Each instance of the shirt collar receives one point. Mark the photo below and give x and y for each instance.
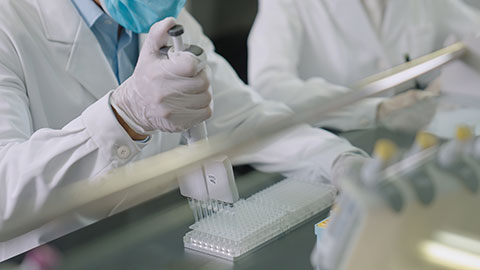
(89, 11)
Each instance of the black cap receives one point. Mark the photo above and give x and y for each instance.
(176, 31)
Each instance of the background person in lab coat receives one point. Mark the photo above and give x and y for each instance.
(63, 63)
(305, 53)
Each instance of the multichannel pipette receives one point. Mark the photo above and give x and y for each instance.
(384, 155)
(476, 149)
(211, 186)
(451, 158)
(419, 179)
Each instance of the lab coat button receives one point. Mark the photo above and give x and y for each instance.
(123, 152)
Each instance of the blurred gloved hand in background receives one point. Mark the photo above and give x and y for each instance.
(409, 111)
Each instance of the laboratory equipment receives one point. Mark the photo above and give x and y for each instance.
(429, 220)
(320, 227)
(476, 149)
(451, 159)
(383, 156)
(418, 178)
(248, 224)
(366, 232)
(211, 185)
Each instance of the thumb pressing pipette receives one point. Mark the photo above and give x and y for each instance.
(210, 186)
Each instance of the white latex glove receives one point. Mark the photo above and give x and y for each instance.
(347, 165)
(435, 87)
(409, 111)
(167, 94)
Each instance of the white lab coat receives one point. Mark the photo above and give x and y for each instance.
(302, 52)
(57, 128)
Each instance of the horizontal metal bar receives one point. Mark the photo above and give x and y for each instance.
(398, 75)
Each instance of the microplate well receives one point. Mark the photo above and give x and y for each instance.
(250, 223)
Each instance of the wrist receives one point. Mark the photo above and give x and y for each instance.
(128, 129)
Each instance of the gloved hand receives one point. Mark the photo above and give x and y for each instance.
(346, 165)
(167, 94)
(409, 111)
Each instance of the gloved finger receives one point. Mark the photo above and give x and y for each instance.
(158, 36)
(413, 118)
(422, 95)
(183, 64)
(406, 99)
(189, 101)
(189, 113)
(188, 118)
(193, 85)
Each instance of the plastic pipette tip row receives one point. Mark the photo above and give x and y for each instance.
(235, 230)
(203, 209)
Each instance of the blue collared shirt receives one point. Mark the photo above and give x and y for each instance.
(121, 50)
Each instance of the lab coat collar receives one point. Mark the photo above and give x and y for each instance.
(63, 24)
(59, 19)
(352, 18)
(87, 61)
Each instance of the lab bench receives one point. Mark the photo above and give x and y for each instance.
(150, 236)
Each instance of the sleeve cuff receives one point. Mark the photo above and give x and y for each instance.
(360, 115)
(106, 132)
(372, 105)
(142, 143)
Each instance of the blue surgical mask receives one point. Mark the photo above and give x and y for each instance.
(140, 15)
